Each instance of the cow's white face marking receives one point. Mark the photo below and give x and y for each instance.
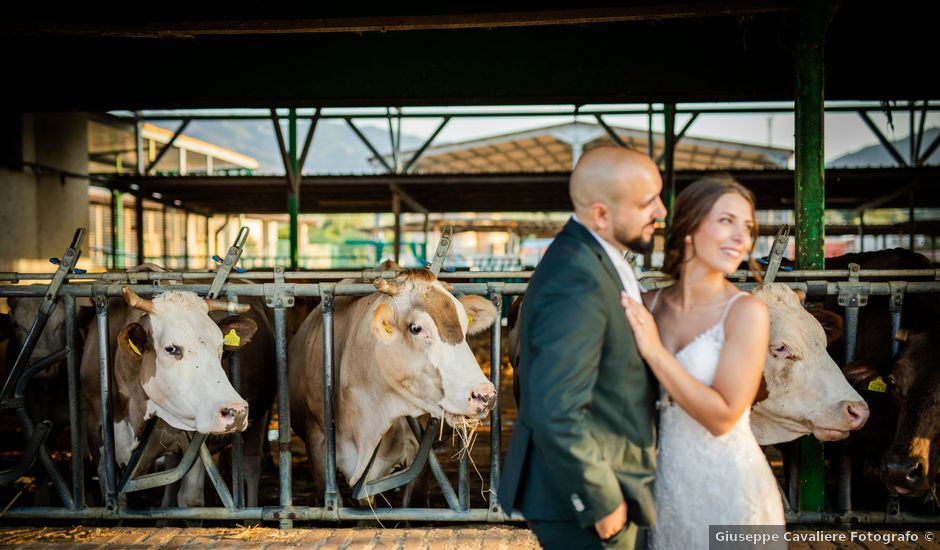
(125, 441)
(807, 392)
(185, 382)
(427, 359)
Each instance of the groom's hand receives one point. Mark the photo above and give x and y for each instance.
(612, 523)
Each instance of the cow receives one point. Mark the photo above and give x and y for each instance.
(400, 351)
(167, 363)
(902, 441)
(803, 390)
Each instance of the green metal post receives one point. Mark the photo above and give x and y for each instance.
(810, 196)
(293, 202)
(117, 235)
(669, 158)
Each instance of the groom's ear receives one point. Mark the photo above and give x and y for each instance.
(600, 215)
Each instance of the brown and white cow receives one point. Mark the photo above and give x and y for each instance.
(401, 351)
(803, 392)
(167, 363)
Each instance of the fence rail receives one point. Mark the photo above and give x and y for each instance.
(277, 284)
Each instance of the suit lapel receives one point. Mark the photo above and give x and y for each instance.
(577, 231)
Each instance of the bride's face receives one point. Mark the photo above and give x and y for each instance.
(723, 239)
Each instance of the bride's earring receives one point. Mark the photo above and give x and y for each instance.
(688, 239)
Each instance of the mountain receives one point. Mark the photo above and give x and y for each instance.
(335, 149)
(876, 155)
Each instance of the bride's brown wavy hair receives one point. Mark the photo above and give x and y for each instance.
(691, 207)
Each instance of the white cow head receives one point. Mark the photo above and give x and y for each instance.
(420, 343)
(805, 390)
(179, 348)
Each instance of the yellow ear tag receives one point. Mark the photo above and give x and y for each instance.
(878, 385)
(469, 319)
(133, 347)
(387, 327)
(232, 339)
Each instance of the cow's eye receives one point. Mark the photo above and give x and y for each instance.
(174, 350)
(414, 329)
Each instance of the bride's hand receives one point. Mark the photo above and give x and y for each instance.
(644, 326)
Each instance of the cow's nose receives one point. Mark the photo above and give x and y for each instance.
(234, 416)
(483, 398)
(908, 471)
(856, 414)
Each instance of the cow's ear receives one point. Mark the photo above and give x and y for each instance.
(480, 313)
(860, 372)
(133, 339)
(237, 331)
(383, 323)
(831, 322)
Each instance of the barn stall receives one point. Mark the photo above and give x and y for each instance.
(740, 62)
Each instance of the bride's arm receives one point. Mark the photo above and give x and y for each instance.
(740, 367)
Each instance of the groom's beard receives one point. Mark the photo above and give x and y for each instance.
(635, 243)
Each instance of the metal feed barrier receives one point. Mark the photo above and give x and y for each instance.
(280, 288)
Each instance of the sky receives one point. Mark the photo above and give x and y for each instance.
(845, 132)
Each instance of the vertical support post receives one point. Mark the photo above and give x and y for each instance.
(139, 205)
(238, 448)
(331, 496)
(427, 223)
(669, 158)
(185, 240)
(208, 248)
(861, 230)
(164, 241)
(283, 404)
(104, 383)
(76, 419)
(810, 196)
(396, 212)
(293, 200)
(117, 228)
(496, 356)
(911, 223)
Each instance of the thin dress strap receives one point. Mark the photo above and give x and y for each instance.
(655, 299)
(728, 305)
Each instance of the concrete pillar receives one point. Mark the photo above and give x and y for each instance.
(40, 209)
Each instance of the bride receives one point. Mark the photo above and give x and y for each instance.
(708, 355)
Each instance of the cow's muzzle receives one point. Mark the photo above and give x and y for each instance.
(906, 475)
(483, 398)
(233, 416)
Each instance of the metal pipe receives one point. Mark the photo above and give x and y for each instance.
(669, 158)
(447, 490)
(76, 418)
(216, 477)
(463, 479)
(420, 151)
(396, 212)
(331, 496)
(169, 145)
(302, 513)
(58, 482)
(889, 147)
(496, 359)
(285, 498)
(104, 378)
(238, 453)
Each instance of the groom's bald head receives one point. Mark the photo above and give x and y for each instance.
(615, 192)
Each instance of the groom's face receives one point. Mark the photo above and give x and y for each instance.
(635, 211)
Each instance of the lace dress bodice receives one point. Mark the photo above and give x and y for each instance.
(704, 479)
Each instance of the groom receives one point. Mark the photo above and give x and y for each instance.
(581, 460)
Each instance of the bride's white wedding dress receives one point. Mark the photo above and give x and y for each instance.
(702, 479)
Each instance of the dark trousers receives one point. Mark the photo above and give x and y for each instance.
(569, 535)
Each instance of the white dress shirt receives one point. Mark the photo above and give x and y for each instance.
(627, 276)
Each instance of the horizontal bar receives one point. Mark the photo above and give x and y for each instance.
(134, 278)
(302, 513)
(496, 113)
(299, 289)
